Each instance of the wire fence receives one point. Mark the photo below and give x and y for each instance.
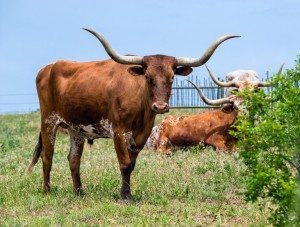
(183, 96)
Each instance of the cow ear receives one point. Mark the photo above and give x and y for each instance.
(136, 70)
(183, 71)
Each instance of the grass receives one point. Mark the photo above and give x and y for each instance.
(193, 187)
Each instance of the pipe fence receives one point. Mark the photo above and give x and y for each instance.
(183, 96)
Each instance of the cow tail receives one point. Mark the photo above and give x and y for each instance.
(37, 153)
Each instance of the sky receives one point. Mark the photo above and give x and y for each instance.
(35, 33)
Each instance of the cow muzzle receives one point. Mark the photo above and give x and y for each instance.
(160, 107)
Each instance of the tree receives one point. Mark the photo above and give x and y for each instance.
(268, 134)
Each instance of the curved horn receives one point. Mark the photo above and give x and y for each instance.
(195, 62)
(216, 102)
(266, 84)
(220, 83)
(132, 60)
(263, 84)
(280, 69)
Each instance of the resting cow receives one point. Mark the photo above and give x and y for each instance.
(116, 99)
(210, 128)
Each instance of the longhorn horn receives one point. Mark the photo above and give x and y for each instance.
(266, 84)
(216, 102)
(220, 83)
(195, 62)
(132, 60)
(263, 84)
(280, 69)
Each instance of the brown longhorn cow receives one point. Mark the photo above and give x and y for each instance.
(116, 98)
(210, 128)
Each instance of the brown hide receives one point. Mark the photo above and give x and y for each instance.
(209, 128)
(102, 99)
(85, 93)
(106, 99)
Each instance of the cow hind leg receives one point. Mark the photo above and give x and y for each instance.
(48, 134)
(74, 157)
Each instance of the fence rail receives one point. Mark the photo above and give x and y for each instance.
(186, 96)
(183, 96)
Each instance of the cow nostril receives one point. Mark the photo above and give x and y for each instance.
(154, 106)
(160, 107)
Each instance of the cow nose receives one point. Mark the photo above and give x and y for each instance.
(160, 107)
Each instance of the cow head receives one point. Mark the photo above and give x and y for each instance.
(159, 70)
(238, 80)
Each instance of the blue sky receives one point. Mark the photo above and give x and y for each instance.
(35, 33)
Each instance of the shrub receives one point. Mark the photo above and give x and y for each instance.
(268, 136)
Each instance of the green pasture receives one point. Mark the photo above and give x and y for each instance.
(193, 187)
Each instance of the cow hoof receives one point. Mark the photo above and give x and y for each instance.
(46, 189)
(124, 201)
(79, 192)
(126, 196)
(168, 154)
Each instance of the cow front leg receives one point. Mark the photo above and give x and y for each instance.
(126, 160)
(74, 157)
(164, 146)
(131, 144)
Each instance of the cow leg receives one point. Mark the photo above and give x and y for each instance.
(164, 146)
(219, 141)
(126, 162)
(74, 157)
(126, 171)
(131, 144)
(48, 133)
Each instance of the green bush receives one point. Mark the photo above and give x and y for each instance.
(269, 140)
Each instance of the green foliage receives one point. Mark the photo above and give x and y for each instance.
(269, 139)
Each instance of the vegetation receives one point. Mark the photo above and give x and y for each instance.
(193, 187)
(269, 140)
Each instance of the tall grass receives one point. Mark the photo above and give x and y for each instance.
(193, 187)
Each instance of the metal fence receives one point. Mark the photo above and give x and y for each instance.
(184, 95)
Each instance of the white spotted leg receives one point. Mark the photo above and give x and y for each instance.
(74, 157)
(48, 134)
